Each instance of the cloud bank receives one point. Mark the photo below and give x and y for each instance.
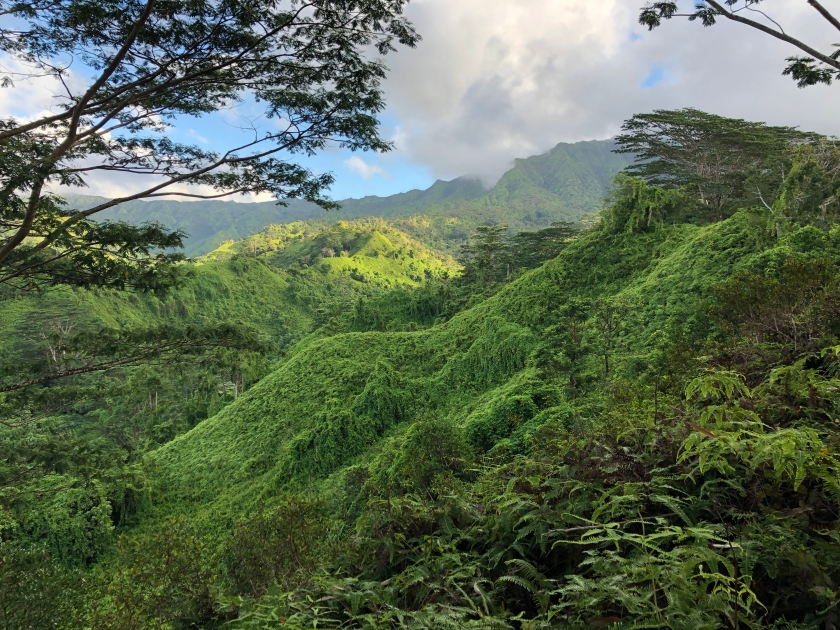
(493, 81)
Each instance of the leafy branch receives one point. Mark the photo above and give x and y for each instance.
(816, 68)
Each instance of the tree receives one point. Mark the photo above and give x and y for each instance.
(87, 352)
(610, 321)
(811, 191)
(634, 206)
(567, 347)
(279, 546)
(486, 258)
(531, 249)
(160, 579)
(31, 578)
(310, 64)
(815, 68)
(710, 155)
(794, 308)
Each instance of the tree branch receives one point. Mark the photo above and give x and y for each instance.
(128, 361)
(35, 195)
(196, 196)
(47, 240)
(824, 12)
(782, 36)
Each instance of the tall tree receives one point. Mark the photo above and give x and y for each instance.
(315, 67)
(711, 155)
(610, 321)
(816, 67)
(486, 258)
(531, 249)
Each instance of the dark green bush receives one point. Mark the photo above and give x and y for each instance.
(38, 593)
(277, 547)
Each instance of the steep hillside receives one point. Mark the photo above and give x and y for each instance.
(296, 282)
(639, 432)
(365, 249)
(279, 302)
(125, 411)
(655, 409)
(566, 183)
(325, 405)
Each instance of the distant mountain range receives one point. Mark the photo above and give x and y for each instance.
(566, 183)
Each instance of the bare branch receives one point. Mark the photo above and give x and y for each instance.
(142, 356)
(196, 196)
(782, 36)
(761, 197)
(824, 12)
(779, 26)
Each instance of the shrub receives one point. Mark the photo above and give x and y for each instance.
(275, 547)
(36, 592)
(157, 580)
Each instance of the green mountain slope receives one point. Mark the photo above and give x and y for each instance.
(283, 293)
(640, 432)
(566, 183)
(334, 398)
(363, 249)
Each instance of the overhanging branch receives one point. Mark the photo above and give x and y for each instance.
(777, 34)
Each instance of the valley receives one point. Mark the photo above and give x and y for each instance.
(583, 397)
(333, 315)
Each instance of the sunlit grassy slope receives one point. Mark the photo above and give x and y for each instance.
(365, 249)
(284, 294)
(334, 399)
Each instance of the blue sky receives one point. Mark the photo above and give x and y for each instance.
(357, 174)
(656, 76)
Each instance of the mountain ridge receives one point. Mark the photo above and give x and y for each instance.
(564, 184)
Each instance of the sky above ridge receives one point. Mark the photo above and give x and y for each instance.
(497, 80)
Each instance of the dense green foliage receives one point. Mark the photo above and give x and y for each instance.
(117, 374)
(147, 64)
(355, 248)
(641, 431)
(657, 450)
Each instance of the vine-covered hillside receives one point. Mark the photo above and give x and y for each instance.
(335, 398)
(640, 432)
(260, 303)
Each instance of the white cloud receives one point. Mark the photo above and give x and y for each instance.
(493, 81)
(30, 98)
(367, 171)
(110, 185)
(197, 136)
